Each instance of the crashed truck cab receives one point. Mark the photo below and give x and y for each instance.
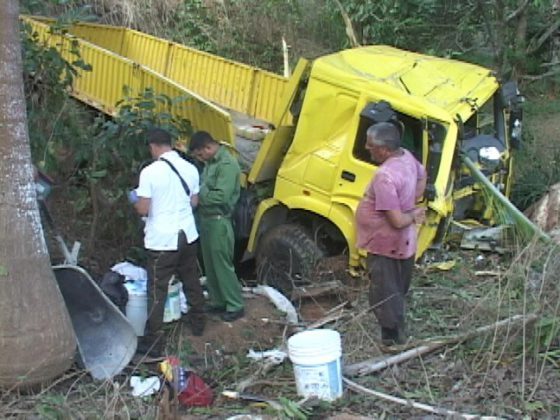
(445, 108)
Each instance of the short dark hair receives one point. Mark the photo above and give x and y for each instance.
(158, 136)
(200, 139)
(385, 134)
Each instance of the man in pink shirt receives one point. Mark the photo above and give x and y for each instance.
(386, 225)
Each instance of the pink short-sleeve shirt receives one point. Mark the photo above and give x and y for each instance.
(394, 187)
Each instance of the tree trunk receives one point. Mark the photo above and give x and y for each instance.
(37, 342)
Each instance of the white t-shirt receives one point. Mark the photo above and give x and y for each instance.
(170, 208)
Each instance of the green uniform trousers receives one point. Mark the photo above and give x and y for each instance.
(217, 243)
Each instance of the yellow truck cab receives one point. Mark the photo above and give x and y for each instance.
(303, 181)
(446, 107)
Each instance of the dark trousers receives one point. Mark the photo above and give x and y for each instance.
(389, 282)
(161, 266)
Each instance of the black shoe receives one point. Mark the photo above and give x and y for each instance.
(196, 323)
(232, 316)
(389, 336)
(214, 309)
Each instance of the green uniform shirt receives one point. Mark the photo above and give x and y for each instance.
(220, 185)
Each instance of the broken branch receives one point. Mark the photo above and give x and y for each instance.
(374, 365)
(425, 407)
(518, 11)
(535, 44)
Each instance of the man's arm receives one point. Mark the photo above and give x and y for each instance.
(194, 200)
(220, 192)
(142, 206)
(400, 220)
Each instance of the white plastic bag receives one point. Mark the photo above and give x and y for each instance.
(172, 310)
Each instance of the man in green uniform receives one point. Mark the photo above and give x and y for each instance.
(218, 195)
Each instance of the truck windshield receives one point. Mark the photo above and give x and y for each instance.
(488, 120)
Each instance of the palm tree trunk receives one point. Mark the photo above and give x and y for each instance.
(37, 342)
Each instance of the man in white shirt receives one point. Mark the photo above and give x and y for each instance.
(166, 194)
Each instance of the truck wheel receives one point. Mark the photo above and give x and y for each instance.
(286, 257)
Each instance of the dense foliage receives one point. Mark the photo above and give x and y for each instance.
(93, 159)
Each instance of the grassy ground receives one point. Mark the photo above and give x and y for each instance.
(508, 372)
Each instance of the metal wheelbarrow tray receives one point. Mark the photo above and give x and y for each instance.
(106, 340)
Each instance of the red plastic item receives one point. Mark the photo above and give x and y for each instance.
(196, 393)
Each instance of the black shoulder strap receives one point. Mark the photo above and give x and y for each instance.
(183, 183)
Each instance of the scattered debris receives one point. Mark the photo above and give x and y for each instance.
(279, 300)
(250, 397)
(488, 273)
(191, 390)
(486, 239)
(144, 387)
(442, 266)
(316, 290)
(275, 356)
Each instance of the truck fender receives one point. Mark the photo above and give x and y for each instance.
(270, 213)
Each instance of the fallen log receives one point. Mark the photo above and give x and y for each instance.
(374, 365)
(421, 406)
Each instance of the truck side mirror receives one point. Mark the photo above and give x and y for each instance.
(512, 99)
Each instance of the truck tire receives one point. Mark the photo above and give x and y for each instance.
(286, 256)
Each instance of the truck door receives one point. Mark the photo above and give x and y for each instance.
(356, 169)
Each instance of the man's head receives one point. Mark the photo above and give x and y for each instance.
(203, 146)
(383, 140)
(159, 141)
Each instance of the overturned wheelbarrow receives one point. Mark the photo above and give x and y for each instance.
(106, 340)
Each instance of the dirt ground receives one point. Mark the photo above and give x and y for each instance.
(509, 373)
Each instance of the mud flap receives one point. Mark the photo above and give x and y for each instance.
(106, 340)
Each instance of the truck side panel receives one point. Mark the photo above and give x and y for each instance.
(230, 84)
(103, 87)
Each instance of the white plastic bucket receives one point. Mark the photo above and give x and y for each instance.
(315, 355)
(137, 311)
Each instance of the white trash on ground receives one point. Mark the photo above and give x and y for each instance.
(274, 356)
(143, 387)
(281, 302)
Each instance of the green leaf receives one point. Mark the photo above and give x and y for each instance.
(98, 174)
(3, 271)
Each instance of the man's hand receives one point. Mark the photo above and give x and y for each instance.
(132, 197)
(419, 215)
(400, 220)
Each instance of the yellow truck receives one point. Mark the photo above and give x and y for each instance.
(305, 176)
